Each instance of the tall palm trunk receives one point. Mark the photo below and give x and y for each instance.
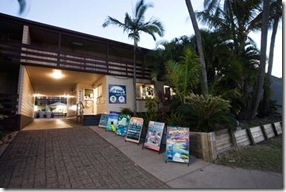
(134, 79)
(204, 80)
(260, 81)
(267, 83)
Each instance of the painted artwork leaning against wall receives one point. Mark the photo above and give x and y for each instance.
(177, 144)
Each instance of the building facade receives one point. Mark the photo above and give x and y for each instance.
(40, 62)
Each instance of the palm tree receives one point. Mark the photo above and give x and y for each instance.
(133, 26)
(233, 21)
(275, 17)
(260, 80)
(204, 80)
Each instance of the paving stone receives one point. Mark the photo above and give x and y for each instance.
(69, 158)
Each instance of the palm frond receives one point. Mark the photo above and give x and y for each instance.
(22, 4)
(128, 22)
(140, 10)
(112, 21)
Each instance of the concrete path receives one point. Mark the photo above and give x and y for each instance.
(199, 174)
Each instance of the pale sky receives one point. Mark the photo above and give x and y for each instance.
(87, 16)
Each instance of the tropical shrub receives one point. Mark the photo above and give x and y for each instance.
(183, 76)
(209, 113)
(174, 119)
(126, 111)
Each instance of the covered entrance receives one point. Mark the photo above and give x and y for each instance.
(49, 95)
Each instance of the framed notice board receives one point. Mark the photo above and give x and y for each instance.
(154, 135)
(134, 129)
(178, 144)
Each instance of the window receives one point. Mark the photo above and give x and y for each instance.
(168, 91)
(145, 91)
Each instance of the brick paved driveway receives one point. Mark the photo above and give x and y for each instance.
(69, 158)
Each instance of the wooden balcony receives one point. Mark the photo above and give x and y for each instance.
(62, 59)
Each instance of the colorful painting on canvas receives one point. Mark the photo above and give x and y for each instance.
(122, 124)
(134, 129)
(154, 135)
(177, 144)
(112, 121)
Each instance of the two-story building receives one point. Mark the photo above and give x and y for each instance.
(42, 63)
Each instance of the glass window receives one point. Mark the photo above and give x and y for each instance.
(168, 91)
(145, 91)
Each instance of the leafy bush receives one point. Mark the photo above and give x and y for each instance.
(183, 76)
(126, 111)
(273, 108)
(208, 113)
(152, 112)
(174, 119)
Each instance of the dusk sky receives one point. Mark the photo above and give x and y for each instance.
(87, 16)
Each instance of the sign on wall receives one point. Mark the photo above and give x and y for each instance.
(134, 129)
(79, 96)
(112, 121)
(103, 120)
(117, 94)
(154, 135)
(177, 144)
(122, 124)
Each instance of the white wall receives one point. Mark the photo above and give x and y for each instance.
(101, 102)
(25, 91)
(70, 102)
(129, 92)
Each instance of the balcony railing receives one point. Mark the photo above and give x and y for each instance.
(47, 57)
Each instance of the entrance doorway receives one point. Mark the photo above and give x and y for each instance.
(55, 93)
(50, 107)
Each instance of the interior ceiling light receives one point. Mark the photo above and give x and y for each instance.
(57, 74)
(38, 95)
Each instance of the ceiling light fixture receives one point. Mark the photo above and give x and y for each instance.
(38, 95)
(57, 74)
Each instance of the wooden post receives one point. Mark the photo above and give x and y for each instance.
(264, 133)
(212, 146)
(274, 129)
(233, 138)
(250, 136)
